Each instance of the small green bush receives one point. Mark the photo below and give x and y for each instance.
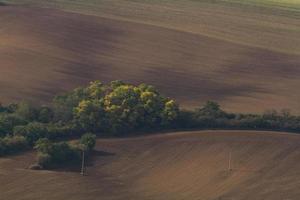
(10, 145)
(51, 154)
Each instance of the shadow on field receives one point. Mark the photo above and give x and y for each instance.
(97, 153)
(90, 162)
(95, 156)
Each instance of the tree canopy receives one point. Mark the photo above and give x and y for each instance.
(120, 107)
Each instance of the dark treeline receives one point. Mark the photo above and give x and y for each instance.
(211, 116)
(119, 109)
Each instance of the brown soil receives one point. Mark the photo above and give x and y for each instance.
(46, 51)
(185, 165)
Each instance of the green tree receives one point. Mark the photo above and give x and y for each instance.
(63, 105)
(45, 114)
(170, 112)
(123, 108)
(88, 141)
(26, 111)
(90, 115)
(96, 90)
(116, 108)
(211, 109)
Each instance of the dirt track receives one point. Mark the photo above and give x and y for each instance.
(46, 51)
(186, 165)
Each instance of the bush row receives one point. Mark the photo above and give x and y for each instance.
(36, 130)
(212, 116)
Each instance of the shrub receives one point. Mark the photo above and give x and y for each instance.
(9, 145)
(35, 131)
(8, 122)
(60, 131)
(51, 155)
(212, 116)
(2, 108)
(186, 119)
(32, 131)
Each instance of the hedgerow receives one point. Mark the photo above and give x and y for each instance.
(119, 109)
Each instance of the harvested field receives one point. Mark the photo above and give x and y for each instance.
(185, 165)
(243, 54)
(45, 51)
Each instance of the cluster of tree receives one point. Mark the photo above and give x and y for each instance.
(21, 125)
(54, 154)
(118, 109)
(21, 114)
